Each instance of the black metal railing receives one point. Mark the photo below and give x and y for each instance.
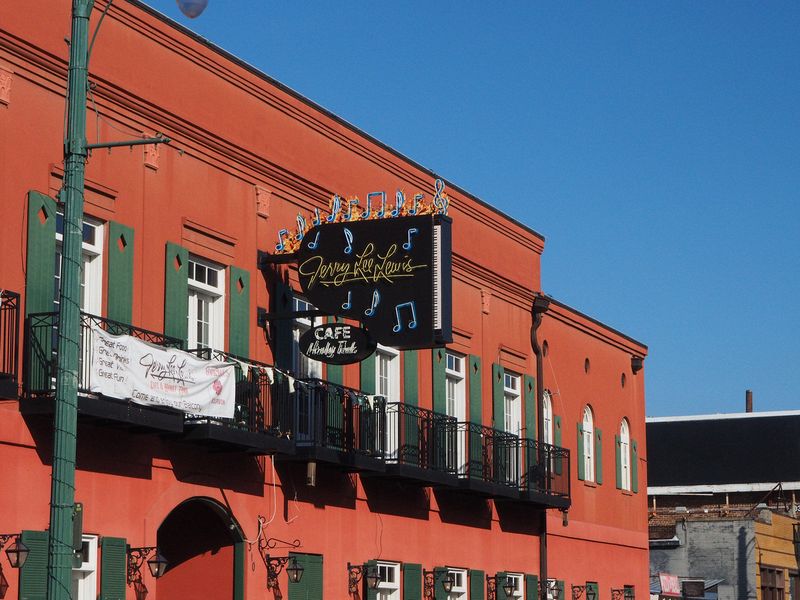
(42, 357)
(9, 334)
(420, 437)
(263, 399)
(337, 417)
(545, 468)
(487, 454)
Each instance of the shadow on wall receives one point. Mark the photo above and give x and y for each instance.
(393, 498)
(462, 509)
(232, 471)
(333, 486)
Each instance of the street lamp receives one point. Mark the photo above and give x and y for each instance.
(192, 8)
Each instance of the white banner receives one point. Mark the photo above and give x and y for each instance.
(128, 368)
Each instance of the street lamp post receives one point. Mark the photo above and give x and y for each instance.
(65, 429)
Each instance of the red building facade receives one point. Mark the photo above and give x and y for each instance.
(455, 473)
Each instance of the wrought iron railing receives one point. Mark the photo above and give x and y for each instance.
(9, 334)
(41, 351)
(487, 454)
(263, 399)
(340, 418)
(545, 468)
(420, 437)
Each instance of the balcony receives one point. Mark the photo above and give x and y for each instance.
(40, 375)
(338, 425)
(9, 343)
(488, 461)
(263, 415)
(420, 445)
(544, 477)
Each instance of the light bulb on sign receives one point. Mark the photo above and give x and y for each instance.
(192, 8)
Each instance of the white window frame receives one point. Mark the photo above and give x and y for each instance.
(519, 584)
(387, 386)
(388, 590)
(91, 267)
(302, 366)
(455, 386)
(460, 589)
(547, 418)
(588, 444)
(552, 591)
(512, 403)
(215, 296)
(625, 454)
(456, 402)
(84, 577)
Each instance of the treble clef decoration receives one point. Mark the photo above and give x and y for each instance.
(440, 199)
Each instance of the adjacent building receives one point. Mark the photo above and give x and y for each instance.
(723, 501)
(513, 459)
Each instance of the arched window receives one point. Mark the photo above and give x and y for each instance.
(588, 444)
(625, 455)
(547, 417)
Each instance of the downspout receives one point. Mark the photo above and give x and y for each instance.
(540, 305)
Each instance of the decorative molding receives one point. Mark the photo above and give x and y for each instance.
(152, 153)
(263, 197)
(486, 300)
(6, 78)
(210, 243)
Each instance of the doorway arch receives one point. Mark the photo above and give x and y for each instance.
(204, 548)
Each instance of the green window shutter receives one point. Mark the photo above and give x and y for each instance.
(239, 558)
(475, 390)
(369, 594)
(477, 585)
(439, 360)
(411, 377)
(33, 574)
(500, 579)
(631, 591)
(334, 373)
(41, 254)
(531, 587)
(581, 463)
(498, 400)
(561, 585)
(120, 272)
(557, 467)
(368, 375)
(634, 467)
(310, 585)
(176, 292)
(598, 456)
(530, 407)
(239, 312)
(281, 302)
(113, 568)
(412, 581)
(618, 461)
(438, 586)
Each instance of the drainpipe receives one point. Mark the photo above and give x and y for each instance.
(540, 305)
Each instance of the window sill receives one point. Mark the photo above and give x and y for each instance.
(591, 484)
(627, 493)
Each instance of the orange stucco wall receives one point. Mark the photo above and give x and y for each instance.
(240, 139)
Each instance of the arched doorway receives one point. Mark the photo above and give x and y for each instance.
(205, 551)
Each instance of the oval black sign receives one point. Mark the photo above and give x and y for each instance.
(337, 343)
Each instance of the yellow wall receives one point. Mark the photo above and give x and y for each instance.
(775, 548)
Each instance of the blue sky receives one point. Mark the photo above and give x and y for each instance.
(656, 146)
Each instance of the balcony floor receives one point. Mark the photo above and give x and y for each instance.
(112, 411)
(223, 436)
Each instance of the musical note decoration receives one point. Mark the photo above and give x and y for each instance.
(412, 323)
(411, 231)
(348, 304)
(313, 244)
(348, 238)
(439, 205)
(376, 299)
